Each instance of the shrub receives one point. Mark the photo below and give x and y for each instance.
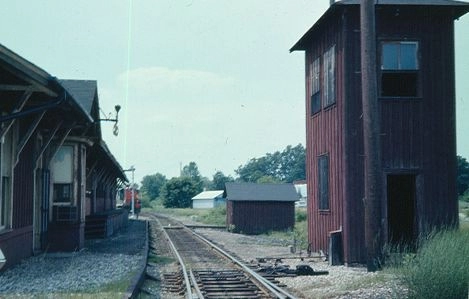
(145, 202)
(465, 197)
(301, 235)
(440, 269)
(300, 215)
(215, 216)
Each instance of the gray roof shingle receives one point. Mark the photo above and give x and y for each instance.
(260, 192)
(83, 91)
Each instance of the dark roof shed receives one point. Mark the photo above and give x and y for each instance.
(260, 192)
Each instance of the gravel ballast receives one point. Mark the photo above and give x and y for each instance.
(102, 262)
(341, 282)
(105, 264)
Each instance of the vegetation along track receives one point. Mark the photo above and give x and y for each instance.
(202, 270)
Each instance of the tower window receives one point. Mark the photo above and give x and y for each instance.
(315, 87)
(399, 69)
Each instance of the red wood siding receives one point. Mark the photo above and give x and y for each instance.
(353, 179)
(23, 188)
(325, 136)
(254, 217)
(18, 243)
(420, 133)
(417, 134)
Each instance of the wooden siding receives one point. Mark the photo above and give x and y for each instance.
(325, 137)
(66, 236)
(23, 188)
(255, 217)
(353, 179)
(417, 134)
(17, 245)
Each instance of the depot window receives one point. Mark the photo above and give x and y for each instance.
(62, 170)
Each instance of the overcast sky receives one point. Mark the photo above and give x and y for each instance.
(206, 81)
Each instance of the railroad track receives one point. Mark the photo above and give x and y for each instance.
(206, 271)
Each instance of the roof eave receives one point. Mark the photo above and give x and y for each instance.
(459, 9)
(33, 74)
(300, 45)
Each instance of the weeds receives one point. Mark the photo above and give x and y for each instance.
(215, 216)
(439, 269)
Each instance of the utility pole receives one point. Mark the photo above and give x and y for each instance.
(371, 136)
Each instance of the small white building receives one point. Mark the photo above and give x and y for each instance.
(208, 199)
(302, 190)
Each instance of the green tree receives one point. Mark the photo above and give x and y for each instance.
(293, 163)
(463, 175)
(219, 180)
(267, 179)
(253, 170)
(286, 166)
(192, 171)
(152, 184)
(178, 192)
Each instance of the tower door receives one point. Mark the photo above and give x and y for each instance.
(401, 209)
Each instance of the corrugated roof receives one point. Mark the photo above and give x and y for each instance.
(459, 9)
(260, 192)
(83, 91)
(208, 194)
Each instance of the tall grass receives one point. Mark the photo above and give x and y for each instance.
(439, 269)
(215, 216)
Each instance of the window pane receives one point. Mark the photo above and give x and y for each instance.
(409, 56)
(62, 165)
(399, 84)
(315, 86)
(329, 77)
(390, 56)
(315, 103)
(323, 182)
(63, 193)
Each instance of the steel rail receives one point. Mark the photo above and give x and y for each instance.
(196, 287)
(274, 289)
(279, 292)
(181, 262)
